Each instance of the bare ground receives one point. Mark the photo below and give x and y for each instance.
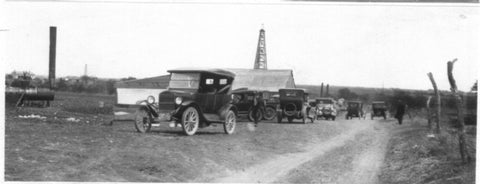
(276, 168)
(341, 151)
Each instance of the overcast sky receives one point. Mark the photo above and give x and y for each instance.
(353, 44)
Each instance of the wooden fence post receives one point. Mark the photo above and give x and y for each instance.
(437, 97)
(429, 113)
(460, 112)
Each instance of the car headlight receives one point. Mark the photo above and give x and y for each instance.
(150, 100)
(178, 100)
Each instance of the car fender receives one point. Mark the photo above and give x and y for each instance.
(186, 104)
(222, 112)
(149, 109)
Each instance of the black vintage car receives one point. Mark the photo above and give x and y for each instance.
(195, 98)
(293, 105)
(325, 108)
(243, 99)
(379, 108)
(354, 109)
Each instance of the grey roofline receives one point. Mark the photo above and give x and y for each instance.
(215, 71)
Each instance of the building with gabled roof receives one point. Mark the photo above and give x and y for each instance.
(263, 80)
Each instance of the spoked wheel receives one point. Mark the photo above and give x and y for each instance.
(190, 121)
(143, 121)
(230, 122)
(259, 115)
(270, 113)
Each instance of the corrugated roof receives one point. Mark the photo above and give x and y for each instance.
(160, 82)
(216, 71)
(268, 80)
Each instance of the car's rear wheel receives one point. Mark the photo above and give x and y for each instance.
(333, 118)
(259, 115)
(230, 123)
(190, 121)
(270, 113)
(143, 120)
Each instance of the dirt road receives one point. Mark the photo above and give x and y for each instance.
(363, 168)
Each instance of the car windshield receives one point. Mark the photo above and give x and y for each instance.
(185, 80)
(293, 93)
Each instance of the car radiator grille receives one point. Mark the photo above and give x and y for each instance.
(166, 101)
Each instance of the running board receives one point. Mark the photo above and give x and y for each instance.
(213, 118)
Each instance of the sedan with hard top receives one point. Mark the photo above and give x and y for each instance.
(194, 99)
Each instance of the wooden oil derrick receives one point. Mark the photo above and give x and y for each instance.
(261, 56)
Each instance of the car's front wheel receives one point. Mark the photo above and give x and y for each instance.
(230, 123)
(190, 121)
(251, 116)
(143, 120)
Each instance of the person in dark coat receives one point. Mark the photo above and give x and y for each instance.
(401, 108)
(257, 106)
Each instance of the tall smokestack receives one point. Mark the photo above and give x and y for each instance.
(321, 90)
(328, 86)
(51, 56)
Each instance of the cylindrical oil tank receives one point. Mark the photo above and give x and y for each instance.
(32, 94)
(39, 94)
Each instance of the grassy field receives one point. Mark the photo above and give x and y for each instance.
(414, 157)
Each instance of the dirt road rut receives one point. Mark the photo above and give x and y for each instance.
(365, 165)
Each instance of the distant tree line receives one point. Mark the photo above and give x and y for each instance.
(413, 98)
(83, 84)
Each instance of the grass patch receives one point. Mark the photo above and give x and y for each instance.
(413, 157)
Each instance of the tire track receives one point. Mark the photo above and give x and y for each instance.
(279, 166)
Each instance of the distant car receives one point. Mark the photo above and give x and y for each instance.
(354, 109)
(325, 108)
(293, 105)
(244, 102)
(379, 108)
(195, 98)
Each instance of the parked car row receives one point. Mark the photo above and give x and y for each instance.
(197, 98)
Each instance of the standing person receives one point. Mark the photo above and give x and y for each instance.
(401, 108)
(258, 105)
